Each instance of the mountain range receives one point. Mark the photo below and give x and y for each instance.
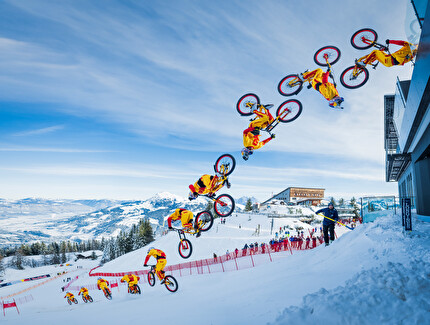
(35, 219)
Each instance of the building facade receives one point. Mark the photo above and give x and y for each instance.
(298, 195)
(407, 128)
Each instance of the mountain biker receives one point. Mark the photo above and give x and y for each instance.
(207, 184)
(319, 81)
(102, 284)
(160, 256)
(131, 279)
(69, 296)
(84, 292)
(405, 54)
(186, 218)
(251, 141)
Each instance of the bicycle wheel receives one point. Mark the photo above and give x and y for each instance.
(290, 85)
(75, 301)
(206, 218)
(247, 103)
(171, 283)
(289, 110)
(84, 299)
(69, 301)
(151, 279)
(108, 294)
(225, 164)
(137, 289)
(185, 248)
(332, 53)
(90, 299)
(224, 205)
(352, 78)
(363, 38)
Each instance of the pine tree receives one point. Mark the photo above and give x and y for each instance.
(333, 201)
(341, 202)
(210, 208)
(248, 206)
(93, 255)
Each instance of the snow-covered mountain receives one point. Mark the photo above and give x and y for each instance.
(244, 199)
(37, 219)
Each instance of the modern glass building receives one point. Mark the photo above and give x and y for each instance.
(407, 122)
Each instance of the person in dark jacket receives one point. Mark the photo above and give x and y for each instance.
(328, 225)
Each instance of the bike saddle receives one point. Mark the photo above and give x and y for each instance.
(268, 106)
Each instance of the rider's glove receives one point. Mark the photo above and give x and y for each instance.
(145, 264)
(272, 136)
(387, 41)
(170, 228)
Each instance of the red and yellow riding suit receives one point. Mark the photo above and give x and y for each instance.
(103, 284)
(400, 57)
(251, 138)
(84, 292)
(184, 215)
(206, 184)
(131, 279)
(320, 83)
(69, 295)
(160, 256)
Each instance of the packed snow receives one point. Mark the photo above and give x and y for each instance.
(375, 274)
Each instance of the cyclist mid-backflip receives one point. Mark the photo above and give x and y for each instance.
(186, 218)
(405, 54)
(207, 185)
(251, 135)
(160, 256)
(319, 81)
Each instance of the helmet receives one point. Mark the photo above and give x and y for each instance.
(336, 101)
(191, 196)
(331, 204)
(150, 248)
(99, 278)
(246, 152)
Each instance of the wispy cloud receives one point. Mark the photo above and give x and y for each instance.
(40, 131)
(59, 150)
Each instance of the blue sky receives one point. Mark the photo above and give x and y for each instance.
(123, 99)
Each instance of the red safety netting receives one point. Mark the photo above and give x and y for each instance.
(237, 260)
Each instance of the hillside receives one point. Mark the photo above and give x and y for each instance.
(346, 283)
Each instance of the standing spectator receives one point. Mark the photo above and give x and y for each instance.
(227, 253)
(308, 240)
(263, 248)
(236, 251)
(244, 249)
(314, 242)
(328, 225)
(215, 257)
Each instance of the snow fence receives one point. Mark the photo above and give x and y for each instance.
(234, 261)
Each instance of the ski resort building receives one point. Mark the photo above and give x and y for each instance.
(407, 126)
(299, 195)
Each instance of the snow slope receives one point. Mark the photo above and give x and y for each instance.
(374, 274)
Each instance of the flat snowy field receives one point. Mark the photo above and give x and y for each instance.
(375, 274)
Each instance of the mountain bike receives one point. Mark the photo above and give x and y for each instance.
(357, 75)
(135, 289)
(107, 293)
(72, 300)
(287, 112)
(204, 221)
(87, 298)
(292, 84)
(169, 281)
